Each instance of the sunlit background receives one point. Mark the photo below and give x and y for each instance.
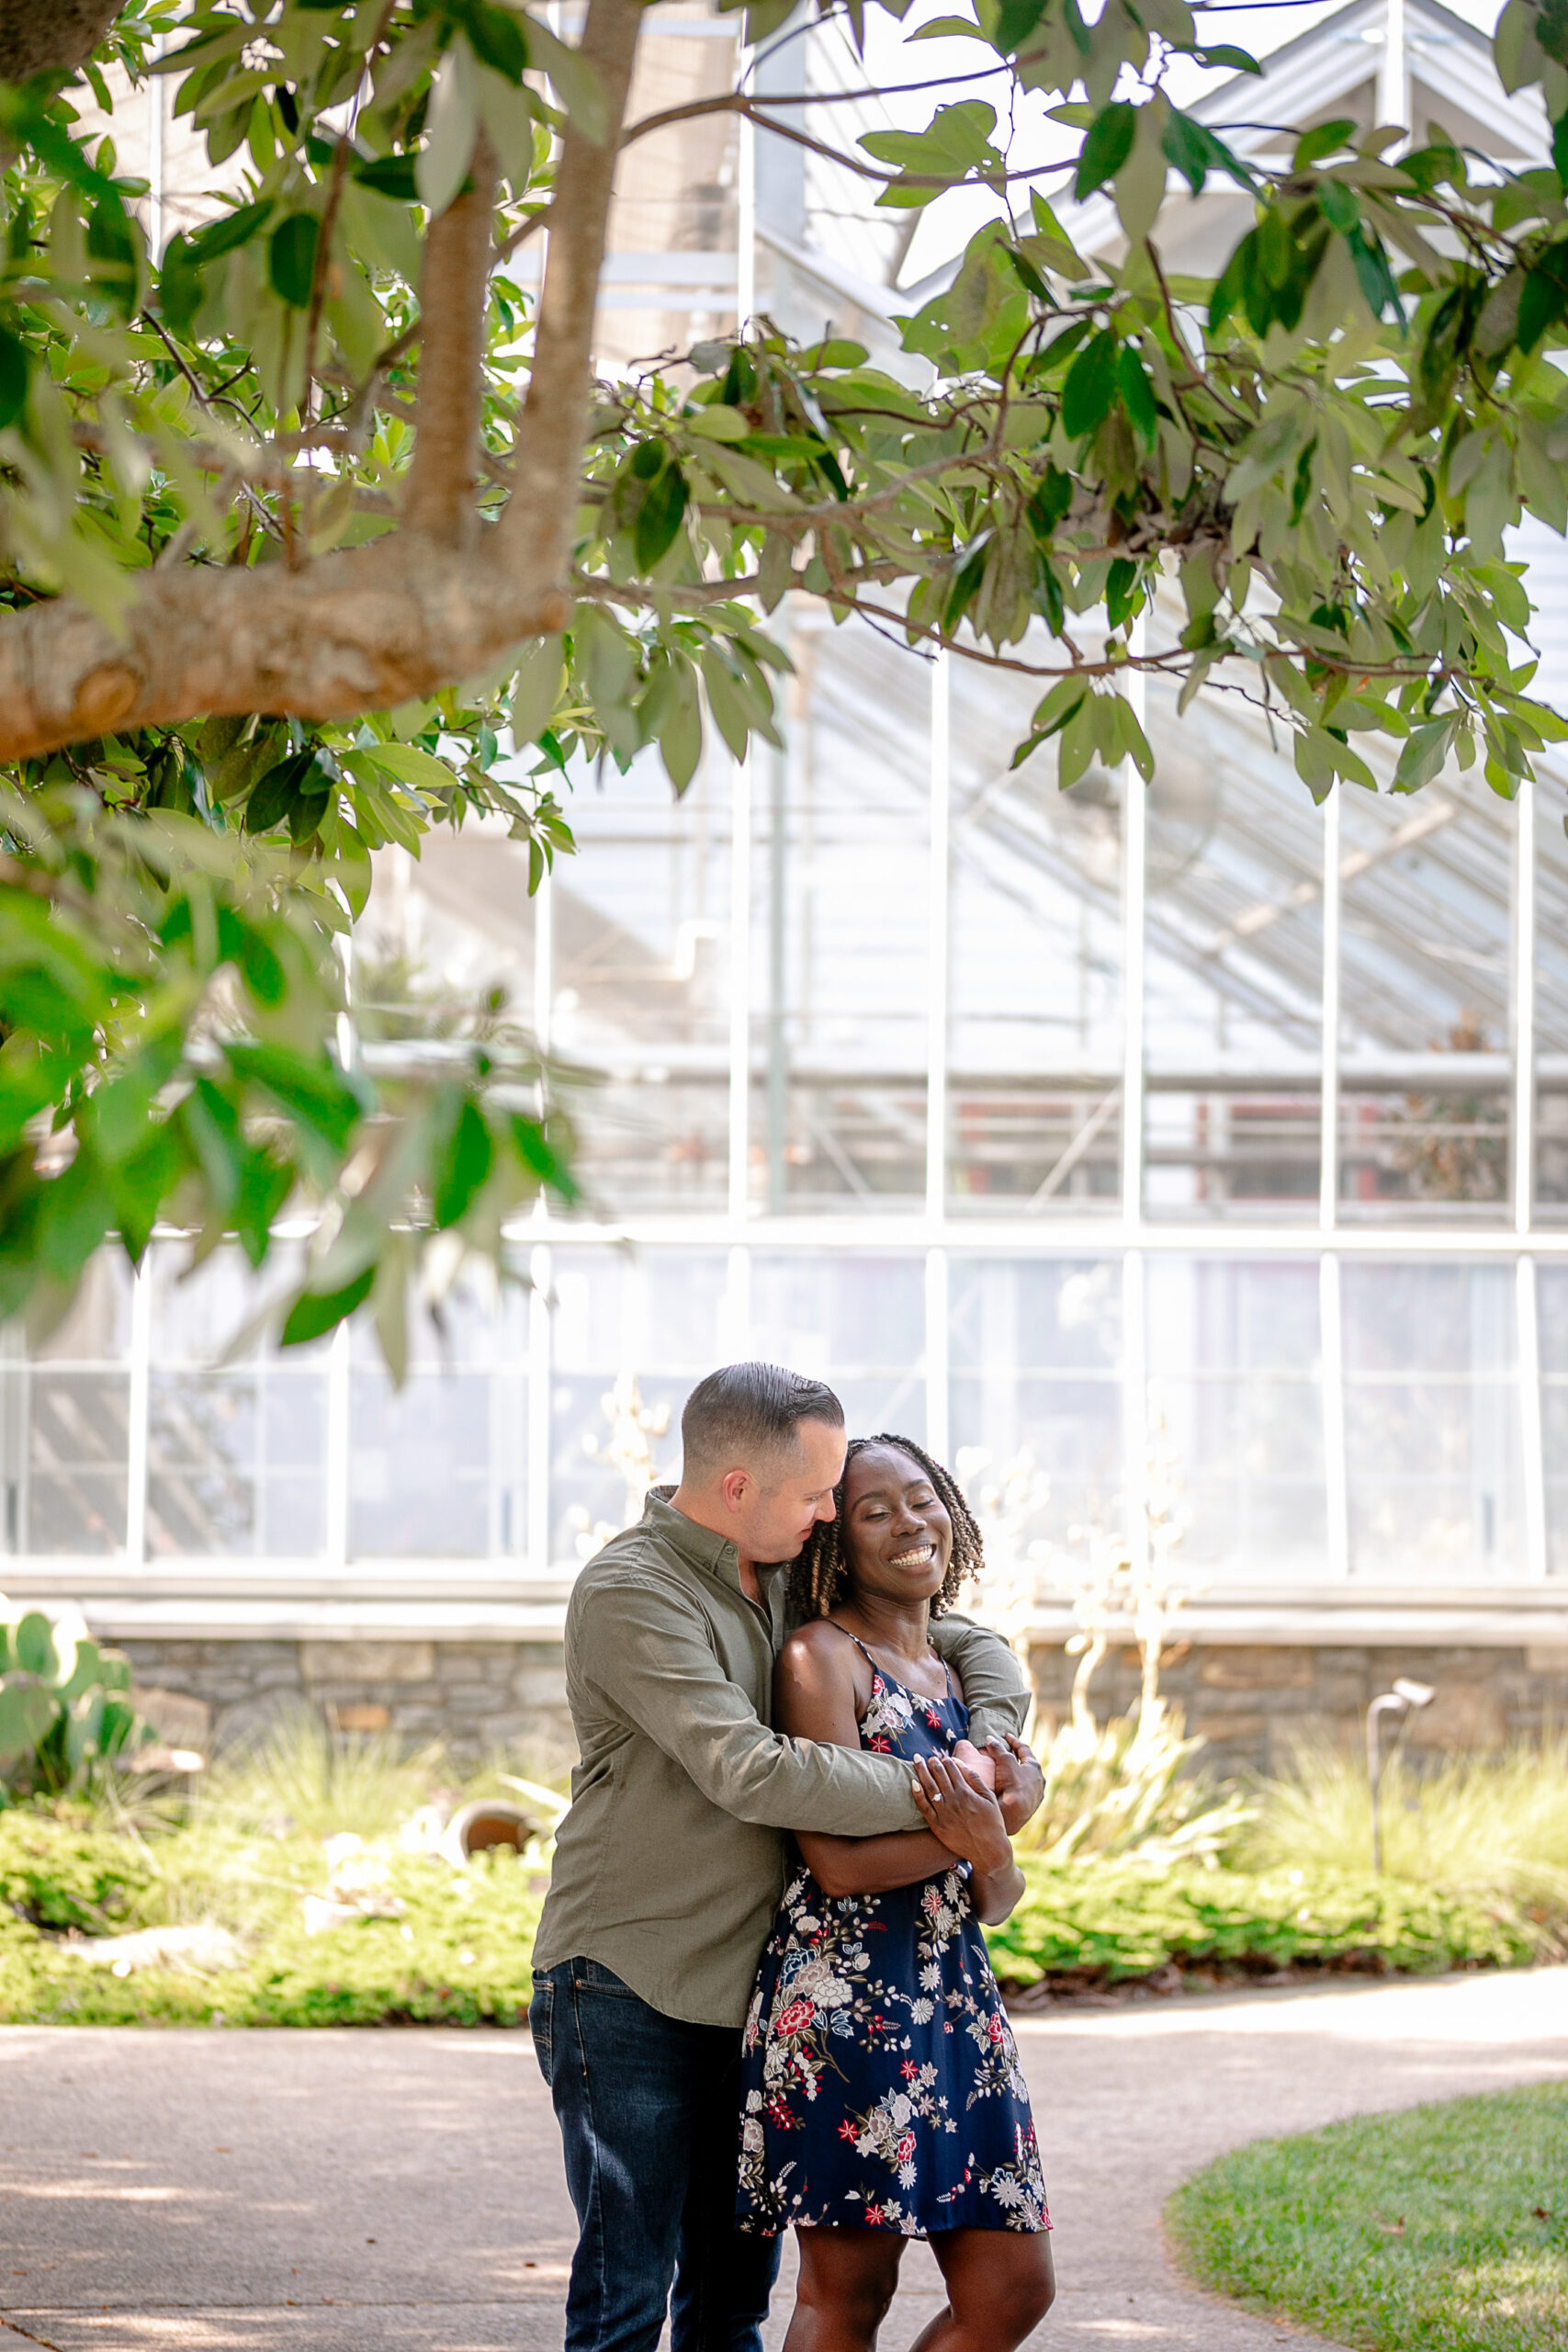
(1075, 1129)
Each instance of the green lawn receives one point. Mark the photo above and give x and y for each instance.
(1442, 2230)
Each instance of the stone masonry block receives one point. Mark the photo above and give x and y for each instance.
(179, 1719)
(1229, 1731)
(1256, 1670)
(367, 1661)
(1463, 1716)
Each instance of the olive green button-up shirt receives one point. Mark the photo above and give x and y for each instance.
(670, 1865)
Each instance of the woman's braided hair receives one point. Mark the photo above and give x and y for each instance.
(819, 1579)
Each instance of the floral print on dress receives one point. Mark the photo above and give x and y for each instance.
(882, 2084)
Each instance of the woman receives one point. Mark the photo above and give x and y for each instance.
(883, 2098)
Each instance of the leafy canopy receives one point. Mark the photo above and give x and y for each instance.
(315, 532)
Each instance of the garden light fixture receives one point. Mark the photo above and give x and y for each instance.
(1405, 1697)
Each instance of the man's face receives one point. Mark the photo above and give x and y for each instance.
(774, 1514)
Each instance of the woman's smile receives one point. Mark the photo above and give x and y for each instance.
(918, 1555)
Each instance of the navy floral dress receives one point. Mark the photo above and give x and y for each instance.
(881, 2088)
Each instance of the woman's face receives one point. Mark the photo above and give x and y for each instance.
(897, 1538)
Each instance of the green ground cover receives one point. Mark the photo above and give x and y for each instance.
(1442, 2230)
(425, 1942)
(296, 1884)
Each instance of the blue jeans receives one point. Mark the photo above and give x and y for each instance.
(649, 2109)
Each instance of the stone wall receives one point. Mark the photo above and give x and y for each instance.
(1251, 1704)
(1254, 1704)
(476, 1697)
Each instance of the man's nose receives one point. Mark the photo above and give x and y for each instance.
(825, 1509)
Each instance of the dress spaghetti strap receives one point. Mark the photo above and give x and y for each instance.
(947, 1670)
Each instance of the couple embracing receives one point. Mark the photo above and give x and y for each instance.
(762, 1996)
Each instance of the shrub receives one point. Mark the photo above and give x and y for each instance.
(1114, 1920)
(65, 1706)
(1493, 1829)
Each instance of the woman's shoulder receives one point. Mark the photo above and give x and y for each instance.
(821, 1651)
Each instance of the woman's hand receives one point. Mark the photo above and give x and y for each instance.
(964, 1816)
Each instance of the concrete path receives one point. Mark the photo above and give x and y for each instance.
(400, 2191)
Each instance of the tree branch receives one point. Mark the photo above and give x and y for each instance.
(454, 294)
(39, 36)
(361, 630)
(535, 530)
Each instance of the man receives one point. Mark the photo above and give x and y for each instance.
(670, 1865)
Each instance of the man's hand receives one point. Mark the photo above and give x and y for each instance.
(979, 1765)
(1020, 1784)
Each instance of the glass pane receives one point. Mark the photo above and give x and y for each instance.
(669, 276)
(64, 1424)
(1036, 1346)
(438, 1468)
(858, 1323)
(1034, 1020)
(1552, 1309)
(1236, 1377)
(1551, 1007)
(840, 929)
(236, 1452)
(439, 933)
(1431, 1414)
(1232, 1004)
(1425, 1066)
(641, 932)
(631, 1335)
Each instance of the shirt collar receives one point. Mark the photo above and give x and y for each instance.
(699, 1546)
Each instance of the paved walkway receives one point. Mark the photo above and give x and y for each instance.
(400, 2192)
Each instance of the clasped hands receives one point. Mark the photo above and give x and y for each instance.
(974, 1800)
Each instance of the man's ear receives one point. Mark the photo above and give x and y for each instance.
(735, 1485)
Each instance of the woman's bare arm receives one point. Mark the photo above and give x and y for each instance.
(967, 1819)
(815, 1697)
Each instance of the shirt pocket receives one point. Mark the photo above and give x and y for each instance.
(541, 2025)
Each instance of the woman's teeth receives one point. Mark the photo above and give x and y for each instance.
(915, 1559)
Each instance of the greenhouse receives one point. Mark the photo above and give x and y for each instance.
(1193, 1133)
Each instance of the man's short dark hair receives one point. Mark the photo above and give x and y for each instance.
(748, 1410)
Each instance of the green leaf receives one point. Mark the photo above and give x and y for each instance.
(1106, 147)
(390, 176)
(495, 37)
(291, 258)
(577, 85)
(312, 1089)
(1090, 386)
(276, 791)
(1322, 138)
(451, 127)
(1120, 590)
(408, 764)
(536, 689)
(659, 517)
(1016, 19)
(465, 1165)
(1422, 755)
(1049, 503)
(679, 723)
(228, 231)
(1137, 391)
(538, 1155)
(1224, 56)
(13, 376)
(315, 1312)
